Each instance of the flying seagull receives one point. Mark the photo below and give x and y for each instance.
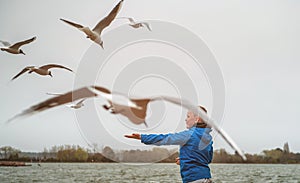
(15, 48)
(135, 24)
(133, 109)
(137, 114)
(95, 34)
(43, 70)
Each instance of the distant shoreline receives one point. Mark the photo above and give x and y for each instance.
(74, 154)
(13, 163)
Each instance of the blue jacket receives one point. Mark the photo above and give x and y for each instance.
(196, 150)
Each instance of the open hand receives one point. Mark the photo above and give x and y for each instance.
(134, 136)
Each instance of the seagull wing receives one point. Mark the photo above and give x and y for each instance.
(22, 71)
(86, 30)
(68, 97)
(5, 43)
(136, 116)
(78, 26)
(46, 67)
(120, 104)
(19, 44)
(108, 19)
(139, 113)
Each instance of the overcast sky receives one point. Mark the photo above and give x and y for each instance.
(255, 44)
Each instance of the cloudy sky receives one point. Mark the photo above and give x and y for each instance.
(255, 45)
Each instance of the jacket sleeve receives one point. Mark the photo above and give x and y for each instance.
(167, 139)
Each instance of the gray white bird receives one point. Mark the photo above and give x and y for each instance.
(95, 34)
(133, 109)
(135, 24)
(137, 115)
(43, 70)
(15, 48)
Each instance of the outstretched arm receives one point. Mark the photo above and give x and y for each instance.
(163, 139)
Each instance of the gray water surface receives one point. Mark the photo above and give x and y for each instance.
(163, 172)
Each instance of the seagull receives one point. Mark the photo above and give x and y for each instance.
(43, 70)
(135, 24)
(15, 48)
(95, 34)
(134, 109)
(137, 115)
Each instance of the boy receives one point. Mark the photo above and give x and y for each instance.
(196, 149)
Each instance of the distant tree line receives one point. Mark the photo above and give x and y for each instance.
(267, 156)
(74, 153)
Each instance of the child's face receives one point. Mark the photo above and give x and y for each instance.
(190, 120)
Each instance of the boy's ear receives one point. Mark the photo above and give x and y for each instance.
(198, 119)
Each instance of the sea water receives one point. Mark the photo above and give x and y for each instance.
(152, 173)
